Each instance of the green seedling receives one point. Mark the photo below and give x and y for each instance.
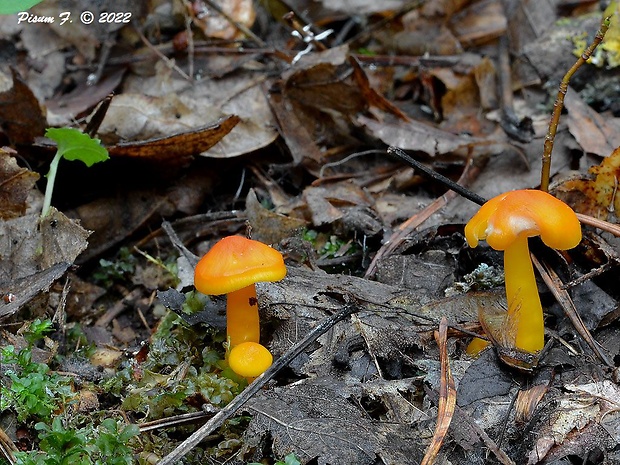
(72, 144)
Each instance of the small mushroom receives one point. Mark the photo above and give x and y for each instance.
(249, 359)
(506, 222)
(232, 267)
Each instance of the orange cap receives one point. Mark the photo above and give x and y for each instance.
(524, 213)
(236, 262)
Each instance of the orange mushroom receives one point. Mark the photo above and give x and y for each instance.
(249, 359)
(232, 267)
(506, 222)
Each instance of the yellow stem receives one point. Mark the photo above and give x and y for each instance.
(242, 322)
(525, 315)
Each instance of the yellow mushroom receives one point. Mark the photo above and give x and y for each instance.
(232, 267)
(506, 222)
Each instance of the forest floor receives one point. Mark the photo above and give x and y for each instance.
(273, 119)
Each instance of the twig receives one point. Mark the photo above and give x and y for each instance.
(416, 220)
(228, 411)
(559, 103)
(447, 396)
(611, 228)
(553, 282)
(453, 186)
(7, 447)
(174, 421)
(170, 63)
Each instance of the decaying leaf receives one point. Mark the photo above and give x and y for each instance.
(16, 184)
(320, 419)
(594, 133)
(316, 420)
(177, 146)
(583, 420)
(416, 135)
(21, 116)
(63, 239)
(268, 226)
(597, 195)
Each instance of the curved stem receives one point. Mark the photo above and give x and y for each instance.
(242, 321)
(49, 188)
(524, 308)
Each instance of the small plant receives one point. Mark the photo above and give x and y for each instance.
(72, 144)
(37, 331)
(117, 270)
(33, 392)
(62, 444)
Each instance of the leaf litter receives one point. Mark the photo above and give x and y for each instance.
(284, 128)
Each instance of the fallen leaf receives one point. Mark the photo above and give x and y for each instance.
(178, 146)
(21, 116)
(213, 24)
(594, 133)
(597, 194)
(63, 239)
(314, 420)
(16, 184)
(415, 135)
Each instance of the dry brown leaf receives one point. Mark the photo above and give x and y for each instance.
(527, 402)
(21, 116)
(415, 135)
(63, 239)
(16, 184)
(178, 146)
(582, 420)
(164, 104)
(479, 22)
(594, 133)
(268, 226)
(597, 195)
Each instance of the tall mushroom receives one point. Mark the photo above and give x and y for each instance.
(506, 222)
(232, 267)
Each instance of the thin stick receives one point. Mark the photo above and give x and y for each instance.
(554, 283)
(228, 411)
(559, 104)
(469, 195)
(416, 220)
(447, 396)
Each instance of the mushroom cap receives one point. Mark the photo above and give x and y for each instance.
(526, 213)
(236, 262)
(249, 359)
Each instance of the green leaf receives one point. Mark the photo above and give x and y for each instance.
(8, 7)
(73, 144)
